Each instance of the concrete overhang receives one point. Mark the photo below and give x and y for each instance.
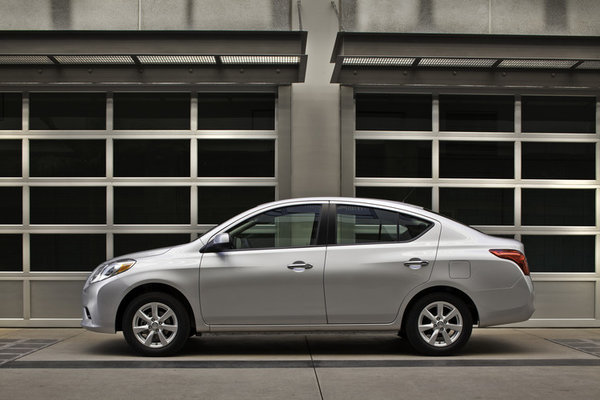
(410, 59)
(151, 57)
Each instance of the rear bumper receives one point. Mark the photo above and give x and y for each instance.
(504, 306)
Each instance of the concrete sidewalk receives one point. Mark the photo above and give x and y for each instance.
(497, 363)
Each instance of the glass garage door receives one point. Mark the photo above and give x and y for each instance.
(87, 176)
(519, 166)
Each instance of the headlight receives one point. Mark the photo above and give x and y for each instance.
(111, 269)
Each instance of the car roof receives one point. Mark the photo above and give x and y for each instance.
(337, 199)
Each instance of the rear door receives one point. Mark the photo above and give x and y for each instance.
(376, 257)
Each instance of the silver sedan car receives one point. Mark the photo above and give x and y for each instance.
(316, 264)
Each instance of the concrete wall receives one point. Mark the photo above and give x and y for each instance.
(315, 108)
(145, 14)
(560, 17)
(530, 17)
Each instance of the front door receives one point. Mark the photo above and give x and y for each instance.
(272, 275)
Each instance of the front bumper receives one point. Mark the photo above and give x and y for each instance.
(100, 304)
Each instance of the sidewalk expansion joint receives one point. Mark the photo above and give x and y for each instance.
(13, 349)
(588, 346)
(313, 364)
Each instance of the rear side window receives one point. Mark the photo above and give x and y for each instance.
(357, 224)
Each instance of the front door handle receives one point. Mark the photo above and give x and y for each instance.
(416, 263)
(299, 266)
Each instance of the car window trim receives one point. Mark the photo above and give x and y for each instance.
(322, 229)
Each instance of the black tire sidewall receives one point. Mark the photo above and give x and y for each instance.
(412, 330)
(183, 323)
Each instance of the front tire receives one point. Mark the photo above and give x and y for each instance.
(439, 324)
(156, 324)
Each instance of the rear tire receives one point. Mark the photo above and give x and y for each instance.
(156, 324)
(439, 324)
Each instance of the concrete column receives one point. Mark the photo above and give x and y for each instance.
(315, 135)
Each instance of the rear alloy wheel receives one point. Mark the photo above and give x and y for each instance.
(439, 324)
(156, 324)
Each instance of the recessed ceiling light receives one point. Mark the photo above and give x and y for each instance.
(379, 61)
(589, 65)
(94, 59)
(25, 60)
(260, 59)
(457, 62)
(177, 59)
(549, 64)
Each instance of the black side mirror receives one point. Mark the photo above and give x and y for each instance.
(219, 243)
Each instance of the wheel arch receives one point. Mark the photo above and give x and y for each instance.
(440, 289)
(154, 287)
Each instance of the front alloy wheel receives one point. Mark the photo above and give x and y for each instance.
(439, 324)
(156, 324)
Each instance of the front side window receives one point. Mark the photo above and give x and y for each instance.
(294, 226)
(356, 224)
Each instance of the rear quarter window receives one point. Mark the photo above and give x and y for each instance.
(359, 224)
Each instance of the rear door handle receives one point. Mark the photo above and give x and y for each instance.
(416, 263)
(299, 266)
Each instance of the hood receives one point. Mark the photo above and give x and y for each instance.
(144, 254)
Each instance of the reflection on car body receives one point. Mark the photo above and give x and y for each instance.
(316, 264)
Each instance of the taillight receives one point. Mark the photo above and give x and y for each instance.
(515, 256)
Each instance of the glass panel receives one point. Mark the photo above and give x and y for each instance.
(476, 159)
(393, 158)
(478, 206)
(219, 203)
(559, 114)
(571, 207)
(67, 158)
(152, 205)
(558, 160)
(393, 112)
(477, 113)
(355, 224)
(67, 111)
(11, 247)
(244, 111)
(152, 158)
(10, 158)
(420, 196)
(11, 200)
(295, 226)
(11, 106)
(68, 205)
(560, 253)
(236, 158)
(131, 243)
(58, 252)
(156, 111)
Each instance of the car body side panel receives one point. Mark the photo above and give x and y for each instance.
(257, 287)
(497, 287)
(177, 268)
(366, 283)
